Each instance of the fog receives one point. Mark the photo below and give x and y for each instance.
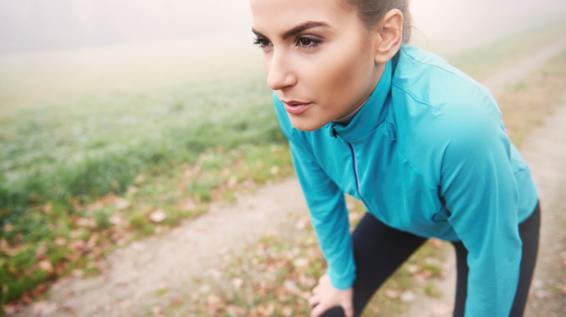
(28, 25)
(55, 24)
(452, 25)
(55, 49)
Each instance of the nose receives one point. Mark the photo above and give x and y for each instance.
(279, 74)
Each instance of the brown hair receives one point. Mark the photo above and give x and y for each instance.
(371, 11)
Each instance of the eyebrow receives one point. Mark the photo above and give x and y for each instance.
(297, 29)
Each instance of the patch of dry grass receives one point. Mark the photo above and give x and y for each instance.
(527, 102)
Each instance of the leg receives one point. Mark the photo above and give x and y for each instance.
(529, 232)
(461, 278)
(378, 251)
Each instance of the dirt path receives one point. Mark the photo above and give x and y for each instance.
(547, 154)
(132, 276)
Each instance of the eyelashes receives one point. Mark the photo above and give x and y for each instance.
(261, 42)
(303, 42)
(308, 42)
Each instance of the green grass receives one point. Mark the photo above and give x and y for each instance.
(84, 155)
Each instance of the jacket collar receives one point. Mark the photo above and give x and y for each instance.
(371, 114)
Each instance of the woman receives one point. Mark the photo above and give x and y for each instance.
(421, 144)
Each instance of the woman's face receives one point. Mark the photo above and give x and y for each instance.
(318, 54)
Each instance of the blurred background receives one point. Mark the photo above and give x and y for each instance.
(109, 46)
(121, 120)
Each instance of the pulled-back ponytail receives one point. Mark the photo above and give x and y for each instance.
(371, 11)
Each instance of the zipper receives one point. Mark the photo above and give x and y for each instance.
(354, 165)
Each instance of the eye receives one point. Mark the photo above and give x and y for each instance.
(308, 42)
(261, 42)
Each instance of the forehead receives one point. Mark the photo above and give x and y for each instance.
(274, 16)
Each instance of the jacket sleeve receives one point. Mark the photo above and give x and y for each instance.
(327, 207)
(480, 192)
(329, 216)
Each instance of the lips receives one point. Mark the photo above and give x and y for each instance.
(296, 107)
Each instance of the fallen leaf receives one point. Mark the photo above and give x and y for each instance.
(79, 245)
(60, 241)
(11, 251)
(41, 252)
(541, 294)
(408, 296)
(301, 262)
(158, 216)
(287, 311)
(237, 283)
(391, 293)
(10, 309)
(45, 265)
(274, 170)
(92, 241)
(441, 309)
(266, 310)
(235, 311)
(302, 223)
(116, 220)
(232, 182)
(47, 208)
(86, 222)
(213, 302)
(307, 281)
(156, 310)
(412, 268)
(8, 227)
(121, 203)
(291, 287)
(4, 245)
(132, 190)
(44, 308)
(139, 179)
(205, 288)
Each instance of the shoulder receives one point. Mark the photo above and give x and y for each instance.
(432, 97)
(435, 105)
(427, 82)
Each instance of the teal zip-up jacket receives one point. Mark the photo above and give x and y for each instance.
(428, 154)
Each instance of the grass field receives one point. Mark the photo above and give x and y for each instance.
(85, 171)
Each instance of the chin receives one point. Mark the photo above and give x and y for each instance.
(306, 124)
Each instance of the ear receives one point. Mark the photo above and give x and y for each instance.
(390, 36)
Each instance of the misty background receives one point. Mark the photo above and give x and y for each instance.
(31, 25)
(99, 46)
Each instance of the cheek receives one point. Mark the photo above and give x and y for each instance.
(341, 74)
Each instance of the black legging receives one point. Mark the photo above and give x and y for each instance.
(379, 250)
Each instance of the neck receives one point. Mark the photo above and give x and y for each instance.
(345, 119)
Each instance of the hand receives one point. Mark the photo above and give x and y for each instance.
(326, 296)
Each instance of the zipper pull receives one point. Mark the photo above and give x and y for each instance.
(334, 133)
